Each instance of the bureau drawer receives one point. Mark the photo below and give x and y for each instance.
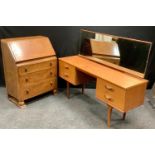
(39, 88)
(110, 94)
(32, 78)
(30, 68)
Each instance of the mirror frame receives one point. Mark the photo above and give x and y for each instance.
(117, 67)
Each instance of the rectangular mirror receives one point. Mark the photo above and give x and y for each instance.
(122, 53)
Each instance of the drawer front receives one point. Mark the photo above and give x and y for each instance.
(30, 68)
(110, 94)
(68, 72)
(32, 78)
(72, 75)
(39, 88)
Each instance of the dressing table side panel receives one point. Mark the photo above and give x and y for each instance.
(135, 96)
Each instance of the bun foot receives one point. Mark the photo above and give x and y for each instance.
(20, 104)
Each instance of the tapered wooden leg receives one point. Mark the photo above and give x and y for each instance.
(109, 115)
(68, 89)
(124, 115)
(83, 86)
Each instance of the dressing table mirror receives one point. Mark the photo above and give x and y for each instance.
(124, 54)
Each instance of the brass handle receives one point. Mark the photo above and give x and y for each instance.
(109, 88)
(25, 69)
(108, 97)
(27, 92)
(50, 63)
(26, 80)
(66, 67)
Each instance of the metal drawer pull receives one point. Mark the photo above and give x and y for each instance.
(108, 97)
(109, 88)
(66, 67)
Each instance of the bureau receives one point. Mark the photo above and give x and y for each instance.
(30, 67)
(117, 89)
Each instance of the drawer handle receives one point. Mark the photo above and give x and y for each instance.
(66, 67)
(51, 73)
(26, 80)
(108, 97)
(66, 75)
(25, 69)
(51, 64)
(27, 92)
(109, 88)
(51, 83)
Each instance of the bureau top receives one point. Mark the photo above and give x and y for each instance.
(27, 48)
(116, 77)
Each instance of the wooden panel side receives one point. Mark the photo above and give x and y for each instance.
(135, 96)
(10, 72)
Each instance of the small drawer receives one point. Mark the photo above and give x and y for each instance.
(67, 72)
(31, 78)
(71, 74)
(34, 67)
(110, 94)
(39, 88)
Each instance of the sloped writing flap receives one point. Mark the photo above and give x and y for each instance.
(28, 48)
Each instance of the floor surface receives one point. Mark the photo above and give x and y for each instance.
(78, 112)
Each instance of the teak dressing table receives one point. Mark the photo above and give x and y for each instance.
(30, 67)
(116, 88)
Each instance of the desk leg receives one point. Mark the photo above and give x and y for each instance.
(83, 86)
(124, 115)
(68, 89)
(109, 115)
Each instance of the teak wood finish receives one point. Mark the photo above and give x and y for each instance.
(30, 67)
(117, 89)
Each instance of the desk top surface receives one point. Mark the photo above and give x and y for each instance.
(98, 70)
